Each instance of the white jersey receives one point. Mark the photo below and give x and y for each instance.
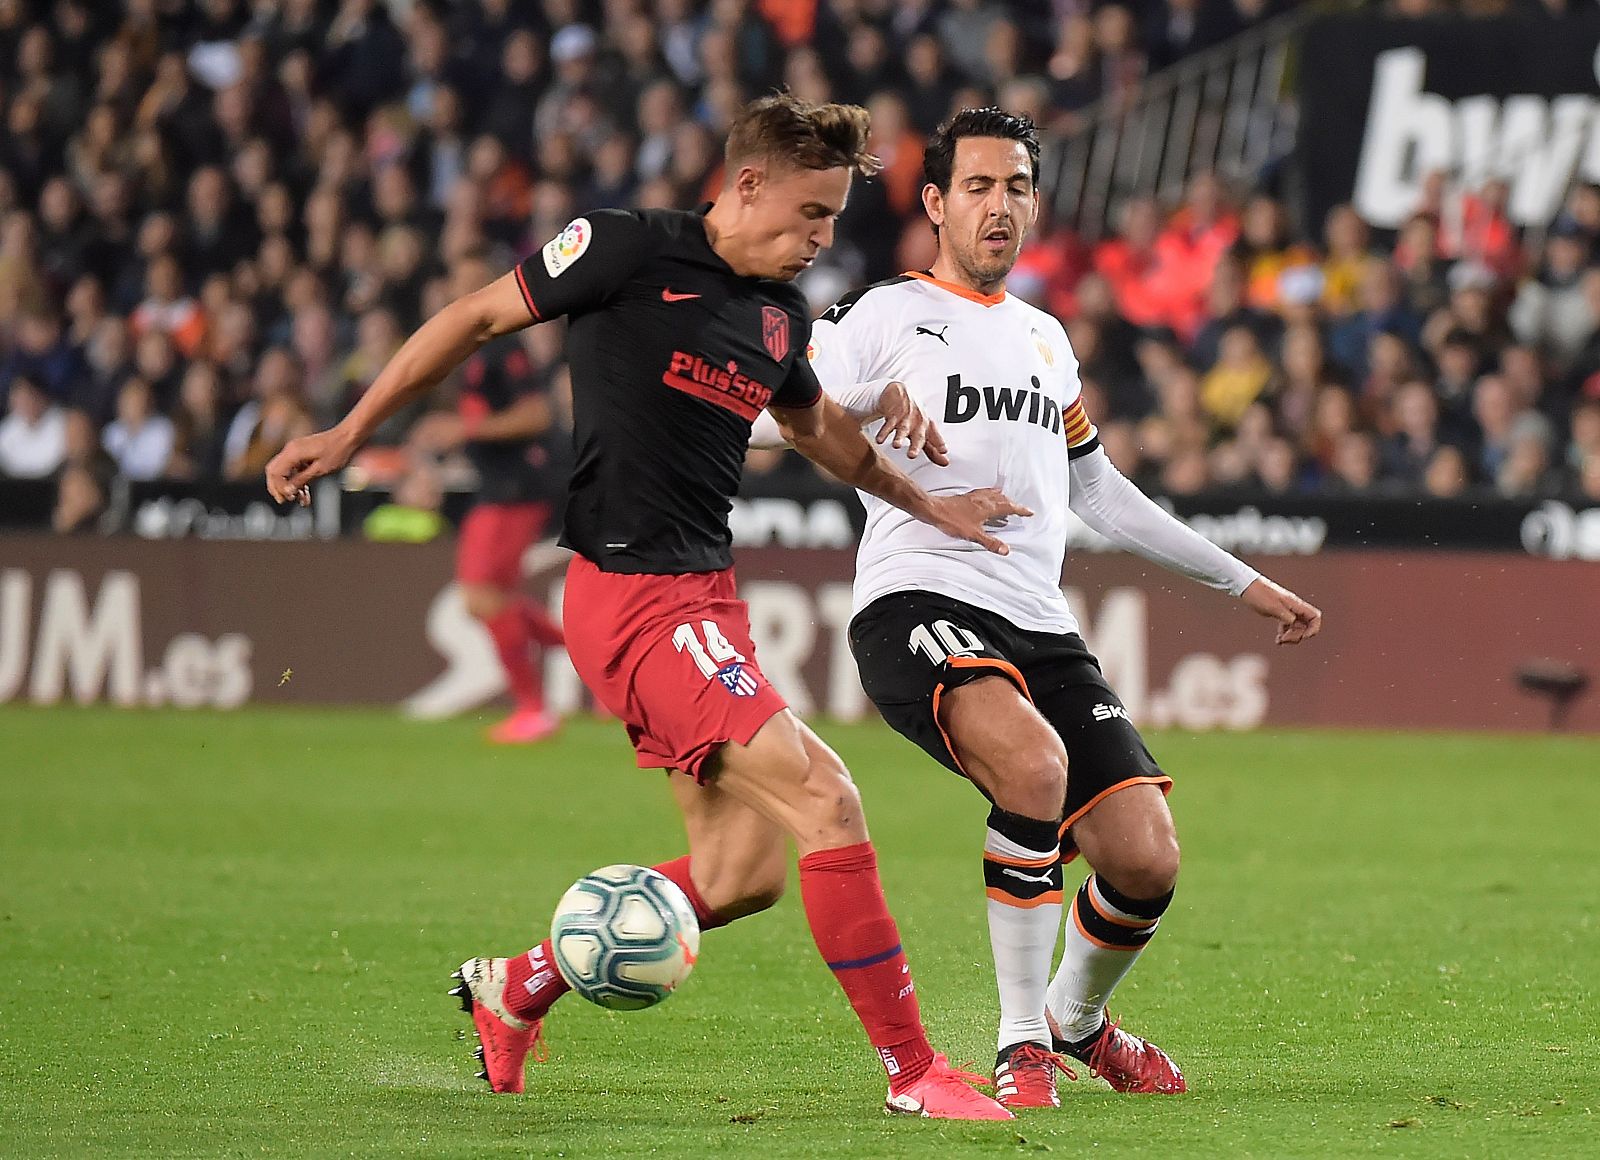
(1000, 379)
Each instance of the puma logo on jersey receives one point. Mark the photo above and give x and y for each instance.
(939, 334)
(1109, 712)
(1016, 404)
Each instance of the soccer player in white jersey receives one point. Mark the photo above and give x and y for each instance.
(978, 658)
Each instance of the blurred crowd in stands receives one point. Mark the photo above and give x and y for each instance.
(219, 218)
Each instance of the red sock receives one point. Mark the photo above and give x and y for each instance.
(509, 628)
(533, 983)
(851, 924)
(678, 871)
(541, 627)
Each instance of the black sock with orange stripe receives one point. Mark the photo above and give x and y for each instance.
(1022, 877)
(1106, 933)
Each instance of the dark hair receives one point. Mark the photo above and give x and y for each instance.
(939, 158)
(782, 127)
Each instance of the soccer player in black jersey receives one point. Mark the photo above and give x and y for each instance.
(683, 327)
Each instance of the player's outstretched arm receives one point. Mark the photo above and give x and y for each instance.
(903, 420)
(1108, 502)
(1297, 619)
(438, 347)
(830, 438)
(863, 402)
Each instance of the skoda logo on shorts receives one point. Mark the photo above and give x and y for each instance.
(736, 680)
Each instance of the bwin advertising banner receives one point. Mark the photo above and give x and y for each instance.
(1384, 103)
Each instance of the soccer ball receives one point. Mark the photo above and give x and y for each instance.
(625, 937)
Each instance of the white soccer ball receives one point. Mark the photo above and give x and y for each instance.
(625, 937)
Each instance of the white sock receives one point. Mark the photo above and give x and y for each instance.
(1022, 874)
(1102, 941)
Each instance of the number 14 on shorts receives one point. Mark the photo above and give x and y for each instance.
(712, 654)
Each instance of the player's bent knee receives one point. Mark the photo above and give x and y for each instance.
(798, 782)
(828, 807)
(1148, 870)
(1033, 782)
(1164, 866)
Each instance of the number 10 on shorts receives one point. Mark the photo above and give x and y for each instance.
(943, 640)
(709, 656)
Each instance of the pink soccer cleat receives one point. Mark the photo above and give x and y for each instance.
(504, 1041)
(945, 1093)
(524, 727)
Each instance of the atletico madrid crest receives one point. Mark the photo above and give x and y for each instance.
(775, 331)
(736, 680)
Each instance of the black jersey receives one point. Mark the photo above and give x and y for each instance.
(509, 470)
(673, 356)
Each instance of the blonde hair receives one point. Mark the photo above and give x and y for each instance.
(782, 127)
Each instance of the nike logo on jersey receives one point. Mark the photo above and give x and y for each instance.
(1017, 404)
(939, 334)
(668, 296)
(1040, 878)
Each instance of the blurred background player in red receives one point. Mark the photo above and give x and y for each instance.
(505, 422)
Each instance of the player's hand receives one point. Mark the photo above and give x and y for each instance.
(907, 423)
(305, 459)
(1297, 620)
(965, 516)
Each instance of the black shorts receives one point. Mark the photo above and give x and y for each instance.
(913, 647)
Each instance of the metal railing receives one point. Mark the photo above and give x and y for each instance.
(1228, 110)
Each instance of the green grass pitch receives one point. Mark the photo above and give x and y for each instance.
(231, 935)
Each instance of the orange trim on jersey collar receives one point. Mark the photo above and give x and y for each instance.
(957, 289)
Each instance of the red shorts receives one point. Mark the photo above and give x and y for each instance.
(672, 657)
(492, 539)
